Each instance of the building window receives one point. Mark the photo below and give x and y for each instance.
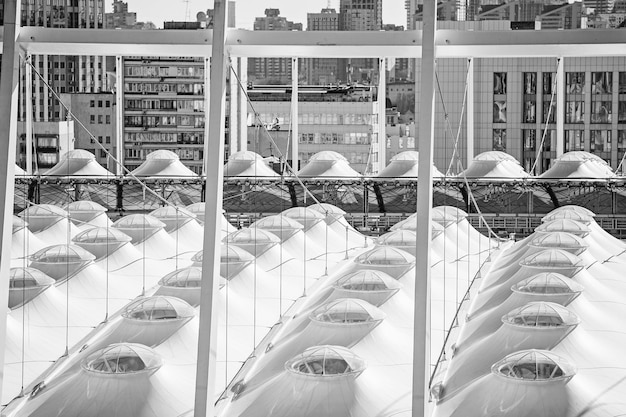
(601, 112)
(499, 111)
(575, 82)
(574, 140)
(499, 83)
(99, 119)
(575, 112)
(529, 137)
(108, 119)
(107, 103)
(92, 103)
(548, 111)
(107, 139)
(600, 141)
(100, 139)
(99, 103)
(530, 111)
(92, 119)
(602, 83)
(530, 83)
(499, 140)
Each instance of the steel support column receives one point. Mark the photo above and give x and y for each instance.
(8, 132)
(119, 115)
(378, 165)
(207, 113)
(28, 101)
(207, 355)
(295, 135)
(470, 113)
(560, 108)
(421, 335)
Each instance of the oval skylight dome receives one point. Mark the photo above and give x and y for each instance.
(327, 208)
(563, 225)
(190, 277)
(534, 365)
(61, 254)
(298, 213)
(367, 280)
(170, 212)
(20, 278)
(347, 311)
(157, 308)
(552, 259)
(245, 156)
(578, 209)
(100, 235)
(326, 361)
(559, 240)
(80, 154)
(123, 358)
(541, 315)
(494, 156)
(41, 216)
(548, 283)
(385, 255)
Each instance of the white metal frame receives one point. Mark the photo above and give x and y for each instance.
(430, 44)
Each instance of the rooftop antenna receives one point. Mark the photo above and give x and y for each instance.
(186, 10)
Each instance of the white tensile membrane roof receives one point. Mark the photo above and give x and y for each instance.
(328, 164)
(404, 166)
(247, 164)
(78, 163)
(579, 165)
(163, 163)
(494, 165)
(538, 338)
(327, 344)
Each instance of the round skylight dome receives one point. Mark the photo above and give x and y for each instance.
(452, 211)
(43, 211)
(406, 156)
(101, 236)
(347, 311)
(578, 156)
(541, 315)
(559, 240)
(400, 237)
(123, 358)
(170, 212)
(251, 236)
(578, 209)
(410, 223)
(548, 283)
(229, 254)
(138, 221)
(62, 254)
(326, 361)
(277, 222)
(563, 225)
(157, 308)
(245, 156)
(20, 278)
(568, 214)
(367, 280)
(79, 154)
(298, 213)
(190, 277)
(534, 365)
(494, 156)
(85, 206)
(327, 208)
(328, 156)
(162, 154)
(385, 255)
(552, 259)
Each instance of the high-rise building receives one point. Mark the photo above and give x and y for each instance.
(322, 70)
(272, 70)
(599, 6)
(66, 74)
(121, 18)
(207, 18)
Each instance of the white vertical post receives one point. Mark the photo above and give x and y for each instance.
(382, 116)
(421, 335)
(207, 112)
(28, 99)
(242, 67)
(8, 132)
(233, 109)
(470, 112)
(295, 135)
(205, 371)
(119, 114)
(560, 107)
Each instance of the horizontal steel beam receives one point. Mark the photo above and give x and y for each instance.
(246, 43)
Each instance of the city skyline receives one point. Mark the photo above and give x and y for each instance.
(159, 11)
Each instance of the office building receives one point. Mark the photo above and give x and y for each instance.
(323, 71)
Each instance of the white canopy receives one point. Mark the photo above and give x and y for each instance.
(163, 163)
(494, 165)
(78, 163)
